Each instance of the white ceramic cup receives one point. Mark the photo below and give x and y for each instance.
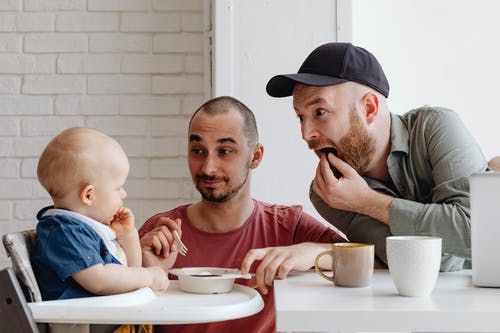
(414, 263)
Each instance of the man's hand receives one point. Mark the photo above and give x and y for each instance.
(277, 262)
(344, 193)
(350, 192)
(158, 246)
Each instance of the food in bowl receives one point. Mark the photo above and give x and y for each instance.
(207, 280)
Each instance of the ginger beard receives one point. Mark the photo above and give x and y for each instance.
(356, 148)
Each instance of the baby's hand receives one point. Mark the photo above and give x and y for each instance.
(159, 279)
(123, 221)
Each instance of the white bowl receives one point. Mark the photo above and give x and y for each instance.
(207, 280)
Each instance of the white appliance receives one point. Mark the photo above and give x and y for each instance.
(485, 228)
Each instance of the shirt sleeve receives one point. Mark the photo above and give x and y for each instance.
(453, 155)
(358, 228)
(447, 155)
(69, 249)
(147, 226)
(311, 230)
(151, 223)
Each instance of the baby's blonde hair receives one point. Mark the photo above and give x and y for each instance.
(71, 160)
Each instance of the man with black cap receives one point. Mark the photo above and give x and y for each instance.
(381, 173)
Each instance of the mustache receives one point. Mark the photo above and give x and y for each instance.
(204, 177)
(315, 145)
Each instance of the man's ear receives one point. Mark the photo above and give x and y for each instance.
(87, 194)
(258, 153)
(370, 103)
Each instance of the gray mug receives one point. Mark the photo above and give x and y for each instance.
(352, 264)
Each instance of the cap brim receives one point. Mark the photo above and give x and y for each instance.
(282, 85)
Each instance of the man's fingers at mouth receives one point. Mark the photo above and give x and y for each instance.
(329, 150)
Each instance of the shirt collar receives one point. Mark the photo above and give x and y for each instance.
(399, 135)
(104, 231)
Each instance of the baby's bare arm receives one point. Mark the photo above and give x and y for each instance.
(126, 234)
(111, 279)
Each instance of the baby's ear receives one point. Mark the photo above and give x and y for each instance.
(87, 195)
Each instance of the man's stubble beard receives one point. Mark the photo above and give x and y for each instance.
(222, 197)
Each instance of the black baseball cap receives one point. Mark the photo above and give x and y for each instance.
(331, 64)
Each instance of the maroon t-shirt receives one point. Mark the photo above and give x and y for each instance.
(268, 225)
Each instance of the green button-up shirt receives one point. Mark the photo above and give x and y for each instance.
(432, 155)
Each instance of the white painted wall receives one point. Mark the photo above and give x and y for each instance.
(444, 53)
(268, 38)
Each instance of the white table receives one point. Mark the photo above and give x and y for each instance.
(144, 306)
(306, 302)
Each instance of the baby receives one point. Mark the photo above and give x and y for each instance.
(87, 242)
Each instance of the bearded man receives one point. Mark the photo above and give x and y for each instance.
(227, 227)
(381, 173)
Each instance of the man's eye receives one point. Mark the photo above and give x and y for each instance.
(225, 151)
(320, 112)
(197, 151)
(300, 118)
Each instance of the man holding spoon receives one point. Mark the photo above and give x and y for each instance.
(227, 227)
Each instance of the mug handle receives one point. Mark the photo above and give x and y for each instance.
(318, 270)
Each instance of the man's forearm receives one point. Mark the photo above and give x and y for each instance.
(413, 218)
(376, 205)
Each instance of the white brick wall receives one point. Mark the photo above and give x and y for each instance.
(178, 168)
(78, 22)
(120, 5)
(9, 126)
(87, 105)
(88, 64)
(27, 64)
(13, 5)
(154, 23)
(27, 105)
(121, 43)
(35, 22)
(53, 42)
(10, 84)
(133, 69)
(10, 43)
(54, 5)
(176, 84)
(53, 84)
